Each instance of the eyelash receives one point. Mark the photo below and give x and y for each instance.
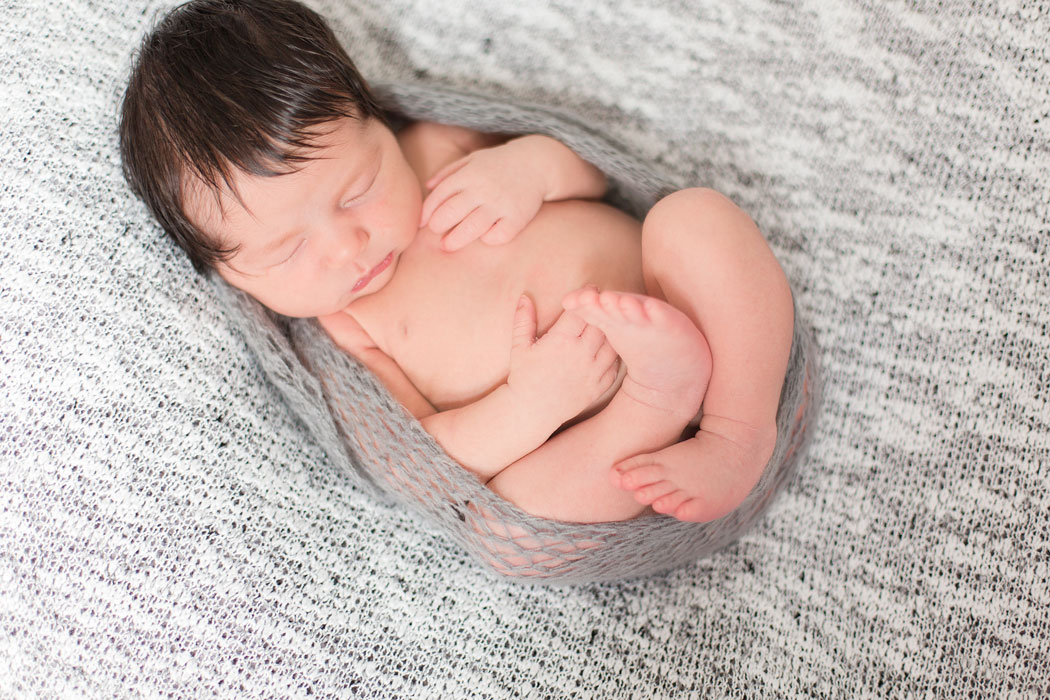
(294, 251)
(353, 200)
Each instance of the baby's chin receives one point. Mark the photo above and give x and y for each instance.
(315, 310)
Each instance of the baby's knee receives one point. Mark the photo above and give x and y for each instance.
(683, 218)
(688, 204)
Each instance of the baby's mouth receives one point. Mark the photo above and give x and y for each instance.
(373, 273)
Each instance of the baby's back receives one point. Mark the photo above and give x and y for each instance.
(447, 318)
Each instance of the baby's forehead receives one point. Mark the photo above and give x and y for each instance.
(215, 185)
(219, 191)
(211, 206)
(200, 199)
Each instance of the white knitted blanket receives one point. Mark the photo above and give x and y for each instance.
(169, 528)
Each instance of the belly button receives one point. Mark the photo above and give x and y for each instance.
(404, 329)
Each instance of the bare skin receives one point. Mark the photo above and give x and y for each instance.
(704, 257)
(465, 272)
(668, 367)
(666, 355)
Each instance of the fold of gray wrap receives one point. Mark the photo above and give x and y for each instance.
(363, 429)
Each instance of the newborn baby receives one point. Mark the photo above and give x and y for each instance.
(474, 274)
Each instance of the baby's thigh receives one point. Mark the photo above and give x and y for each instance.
(683, 238)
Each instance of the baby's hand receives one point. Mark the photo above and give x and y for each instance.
(564, 372)
(489, 194)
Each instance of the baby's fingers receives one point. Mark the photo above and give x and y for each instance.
(594, 340)
(440, 196)
(568, 324)
(445, 172)
(608, 359)
(457, 208)
(608, 376)
(524, 335)
(501, 232)
(468, 230)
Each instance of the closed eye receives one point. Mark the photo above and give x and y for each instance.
(351, 201)
(354, 199)
(291, 254)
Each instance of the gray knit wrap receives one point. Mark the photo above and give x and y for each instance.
(364, 431)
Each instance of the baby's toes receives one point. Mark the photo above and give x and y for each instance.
(579, 298)
(610, 303)
(633, 309)
(669, 504)
(653, 492)
(619, 308)
(658, 312)
(638, 472)
(693, 510)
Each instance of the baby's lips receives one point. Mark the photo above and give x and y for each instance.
(373, 273)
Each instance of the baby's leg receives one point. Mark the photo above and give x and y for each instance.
(668, 365)
(706, 257)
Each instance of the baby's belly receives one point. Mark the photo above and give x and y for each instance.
(447, 318)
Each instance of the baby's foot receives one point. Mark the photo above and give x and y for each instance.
(667, 358)
(700, 479)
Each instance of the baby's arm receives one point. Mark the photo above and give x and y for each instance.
(551, 380)
(351, 337)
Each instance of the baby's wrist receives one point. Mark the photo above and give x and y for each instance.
(534, 410)
(536, 151)
(562, 173)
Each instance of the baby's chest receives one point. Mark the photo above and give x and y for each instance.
(457, 351)
(448, 325)
(447, 319)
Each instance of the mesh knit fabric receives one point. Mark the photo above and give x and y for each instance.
(363, 428)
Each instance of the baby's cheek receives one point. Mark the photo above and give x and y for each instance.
(414, 206)
(399, 213)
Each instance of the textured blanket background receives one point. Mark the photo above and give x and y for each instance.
(167, 528)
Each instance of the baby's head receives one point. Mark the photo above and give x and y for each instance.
(230, 118)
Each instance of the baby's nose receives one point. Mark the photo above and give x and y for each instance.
(346, 246)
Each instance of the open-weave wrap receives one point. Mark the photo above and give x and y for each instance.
(362, 428)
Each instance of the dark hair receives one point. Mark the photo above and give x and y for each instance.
(222, 84)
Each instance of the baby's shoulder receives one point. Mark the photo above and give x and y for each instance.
(427, 135)
(346, 330)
